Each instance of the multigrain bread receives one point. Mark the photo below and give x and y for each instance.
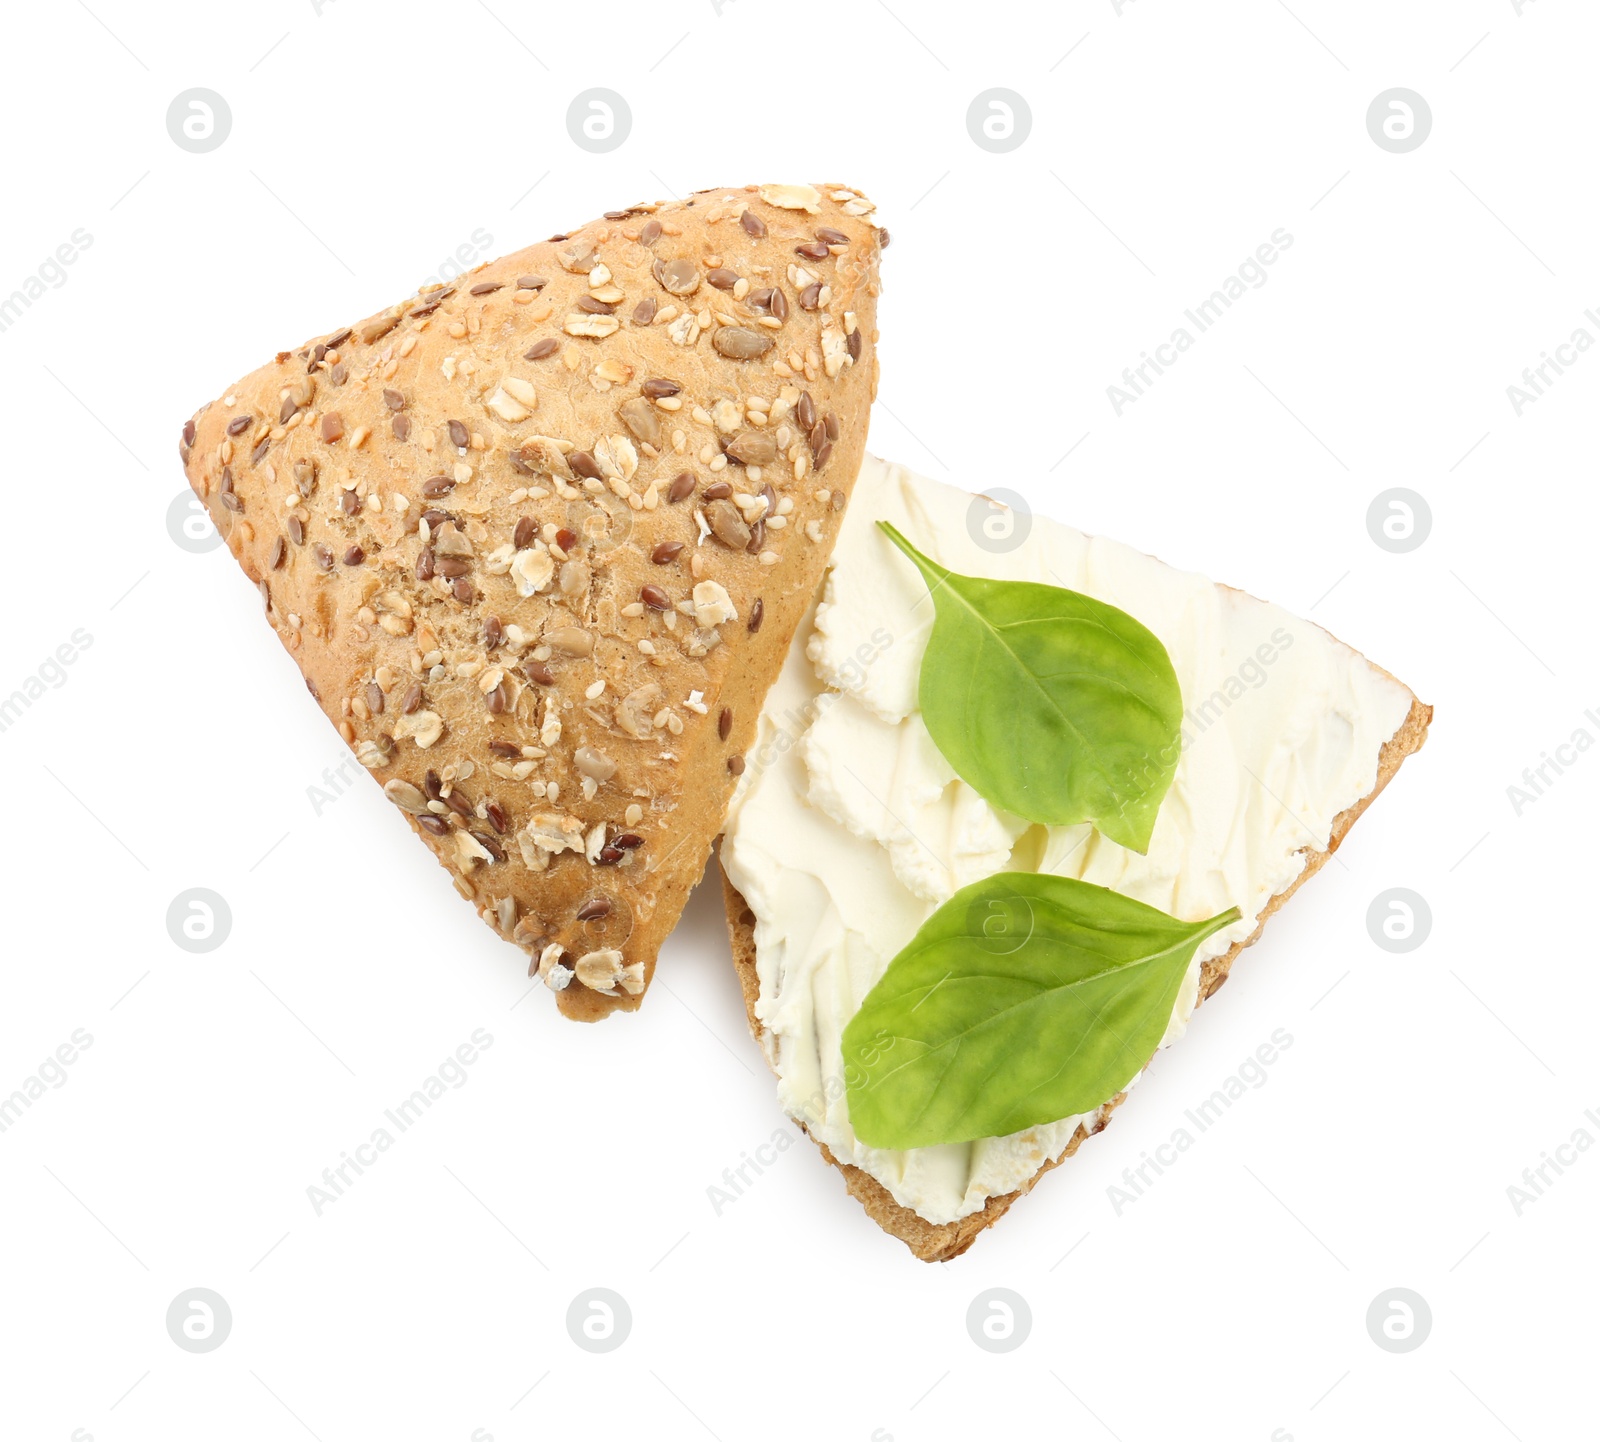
(539, 540)
(933, 1242)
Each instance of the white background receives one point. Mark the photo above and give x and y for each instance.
(1229, 1301)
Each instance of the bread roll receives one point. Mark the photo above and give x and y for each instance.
(939, 1242)
(538, 540)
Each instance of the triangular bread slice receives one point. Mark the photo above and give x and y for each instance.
(539, 538)
(802, 702)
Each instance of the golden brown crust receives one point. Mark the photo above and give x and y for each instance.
(463, 522)
(933, 1242)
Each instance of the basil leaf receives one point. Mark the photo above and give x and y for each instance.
(1048, 703)
(1024, 999)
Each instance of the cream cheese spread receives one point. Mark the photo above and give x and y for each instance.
(849, 827)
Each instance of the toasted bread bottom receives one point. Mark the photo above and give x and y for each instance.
(940, 1242)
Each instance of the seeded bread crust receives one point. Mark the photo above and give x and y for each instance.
(539, 540)
(932, 1242)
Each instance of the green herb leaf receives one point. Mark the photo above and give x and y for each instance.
(1024, 999)
(1048, 703)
